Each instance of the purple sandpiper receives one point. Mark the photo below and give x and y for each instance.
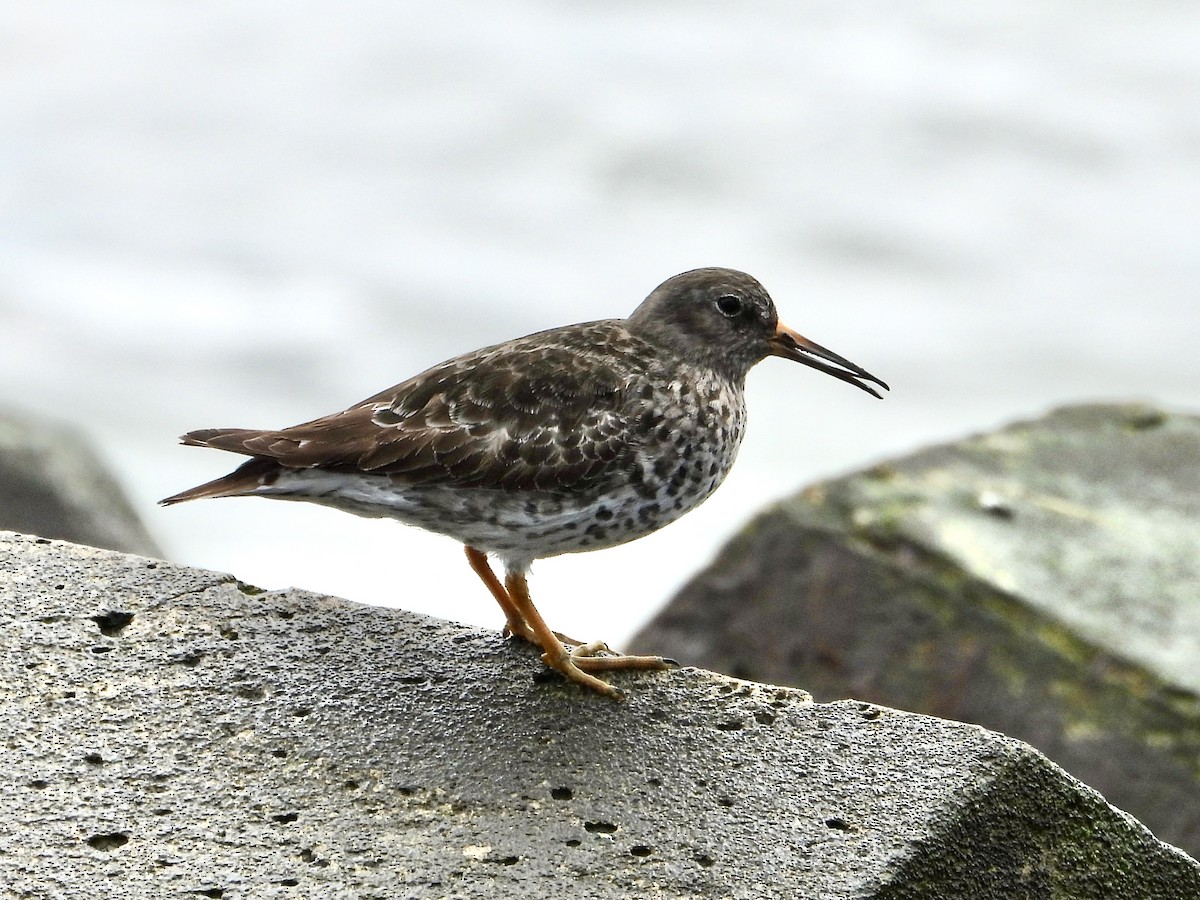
(576, 438)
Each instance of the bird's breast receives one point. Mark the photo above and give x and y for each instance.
(699, 424)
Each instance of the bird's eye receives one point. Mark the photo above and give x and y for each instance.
(729, 305)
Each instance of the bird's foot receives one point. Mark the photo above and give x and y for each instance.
(567, 664)
(575, 659)
(522, 630)
(578, 662)
(591, 648)
(599, 657)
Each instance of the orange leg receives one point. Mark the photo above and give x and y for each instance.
(575, 663)
(524, 621)
(515, 622)
(554, 654)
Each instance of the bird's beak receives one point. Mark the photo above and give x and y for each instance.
(790, 345)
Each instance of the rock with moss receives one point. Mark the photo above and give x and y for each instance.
(171, 732)
(52, 484)
(1042, 580)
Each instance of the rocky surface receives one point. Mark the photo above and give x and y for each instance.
(1042, 580)
(172, 732)
(53, 485)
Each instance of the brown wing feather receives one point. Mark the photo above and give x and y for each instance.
(544, 412)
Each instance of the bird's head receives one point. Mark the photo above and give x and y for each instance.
(726, 320)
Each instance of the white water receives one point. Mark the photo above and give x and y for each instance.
(253, 213)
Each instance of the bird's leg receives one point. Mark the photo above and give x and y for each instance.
(554, 654)
(514, 624)
(524, 621)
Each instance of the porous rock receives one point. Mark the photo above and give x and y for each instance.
(52, 484)
(1042, 580)
(172, 732)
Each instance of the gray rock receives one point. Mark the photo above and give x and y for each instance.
(174, 733)
(53, 485)
(1042, 580)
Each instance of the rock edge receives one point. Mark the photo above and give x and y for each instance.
(173, 732)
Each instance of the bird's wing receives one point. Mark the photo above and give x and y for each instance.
(529, 414)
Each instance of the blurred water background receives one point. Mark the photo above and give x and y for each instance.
(252, 213)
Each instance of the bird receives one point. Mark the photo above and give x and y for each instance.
(578, 438)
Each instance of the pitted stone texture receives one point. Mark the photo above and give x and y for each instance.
(173, 733)
(53, 485)
(1042, 580)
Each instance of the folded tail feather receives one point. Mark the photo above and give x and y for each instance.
(246, 479)
(221, 439)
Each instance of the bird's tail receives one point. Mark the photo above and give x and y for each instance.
(246, 479)
(220, 438)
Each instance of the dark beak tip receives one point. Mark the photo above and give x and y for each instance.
(785, 345)
(866, 387)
